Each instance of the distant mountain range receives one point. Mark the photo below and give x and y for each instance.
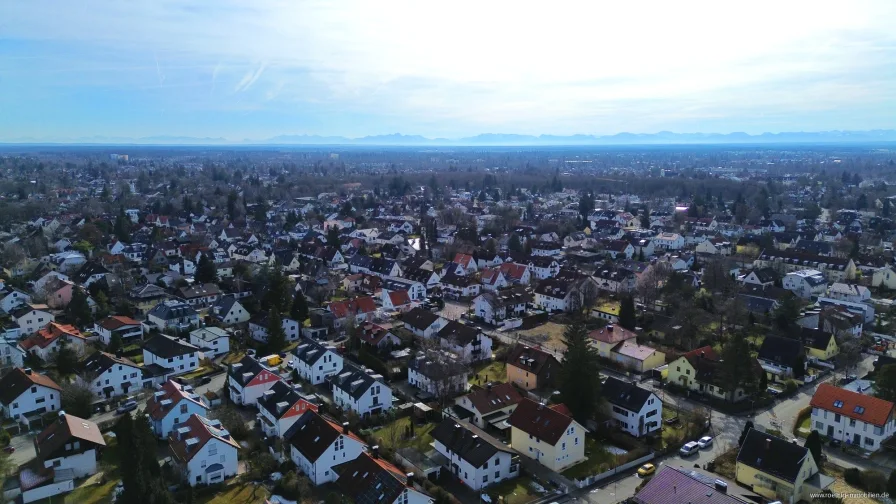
(503, 139)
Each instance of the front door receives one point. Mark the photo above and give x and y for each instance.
(830, 431)
(856, 439)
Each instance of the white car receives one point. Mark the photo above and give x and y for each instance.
(689, 449)
(704, 442)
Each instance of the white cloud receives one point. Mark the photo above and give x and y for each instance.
(512, 65)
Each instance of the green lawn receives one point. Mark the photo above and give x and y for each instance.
(90, 492)
(392, 435)
(598, 461)
(515, 491)
(611, 307)
(495, 371)
(201, 370)
(233, 357)
(805, 427)
(238, 493)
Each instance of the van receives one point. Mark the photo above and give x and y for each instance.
(273, 360)
(689, 448)
(721, 486)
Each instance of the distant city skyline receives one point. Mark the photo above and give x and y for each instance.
(255, 71)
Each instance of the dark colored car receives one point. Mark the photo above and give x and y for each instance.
(205, 380)
(9, 449)
(128, 406)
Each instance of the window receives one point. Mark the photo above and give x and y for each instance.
(838, 403)
(852, 422)
(497, 474)
(485, 478)
(869, 441)
(819, 426)
(577, 441)
(16, 405)
(57, 463)
(183, 408)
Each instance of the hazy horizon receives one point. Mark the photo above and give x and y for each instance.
(184, 68)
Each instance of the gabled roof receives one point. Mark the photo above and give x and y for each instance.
(353, 381)
(172, 309)
(370, 480)
(532, 360)
(246, 370)
(46, 336)
(399, 298)
(674, 486)
(494, 397)
(360, 305)
(781, 350)
(772, 455)
(280, 398)
(98, 362)
(815, 338)
(312, 434)
(459, 333)
(419, 319)
(545, 424)
(166, 346)
(458, 439)
(188, 440)
(861, 407)
(554, 288)
(311, 351)
(114, 322)
(64, 429)
(200, 291)
(169, 397)
(19, 380)
(436, 366)
(625, 395)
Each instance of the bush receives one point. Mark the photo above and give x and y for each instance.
(4, 438)
(293, 487)
(874, 481)
(790, 387)
(853, 476)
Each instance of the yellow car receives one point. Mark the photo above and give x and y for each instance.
(646, 470)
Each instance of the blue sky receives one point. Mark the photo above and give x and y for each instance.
(253, 70)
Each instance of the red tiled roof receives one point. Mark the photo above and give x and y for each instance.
(463, 259)
(513, 270)
(546, 424)
(174, 392)
(873, 410)
(361, 305)
(203, 431)
(499, 396)
(399, 298)
(49, 334)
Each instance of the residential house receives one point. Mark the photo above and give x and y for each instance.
(416, 290)
(558, 295)
(11, 352)
(459, 287)
(50, 339)
(70, 443)
(378, 336)
(360, 309)
(474, 460)
(615, 280)
(807, 283)
(547, 435)
(213, 342)
(369, 478)
(145, 297)
(715, 246)
(171, 406)
(819, 344)
(280, 407)
(496, 307)
(173, 315)
(849, 292)
(637, 358)
(865, 310)
(468, 343)
(124, 327)
(24, 392)
(673, 485)
(609, 337)
(32, 317)
(315, 362)
(619, 249)
(398, 301)
(110, 376)
(782, 358)
(356, 390)
(248, 379)
(702, 371)
(12, 299)
(317, 444)
(861, 420)
(635, 410)
(543, 267)
(515, 273)
(200, 296)
(531, 368)
(203, 451)
(173, 355)
(834, 269)
(258, 327)
(423, 323)
(490, 405)
(437, 375)
(668, 241)
(778, 469)
(761, 276)
(884, 277)
(492, 279)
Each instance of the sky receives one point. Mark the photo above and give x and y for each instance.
(256, 69)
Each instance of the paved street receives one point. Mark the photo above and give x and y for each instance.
(24, 444)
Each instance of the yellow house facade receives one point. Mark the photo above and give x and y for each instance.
(546, 435)
(775, 488)
(700, 371)
(828, 352)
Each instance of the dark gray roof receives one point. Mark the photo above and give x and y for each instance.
(279, 398)
(781, 350)
(418, 318)
(353, 380)
(772, 455)
(166, 346)
(625, 395)
(435, 366)
(169, 310)
(459, 333)
(245, 370)
(310, 351)
(465, 443)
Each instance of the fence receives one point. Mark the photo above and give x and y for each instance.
(590, 480)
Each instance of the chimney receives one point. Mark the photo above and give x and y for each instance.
(375, 451)
(119, 353)
(540, 406)
(609, 328)
(675, 489)
(345, 427)
(488, 386)
(410, 477)
(768, 443)
(27, 371)
(61, 414)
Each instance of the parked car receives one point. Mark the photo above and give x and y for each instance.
(704, 442)
(646, 470)
(205, 380)
(773, 392)
(834, 443)
(127, 406)
(689, 448)
(9, 449)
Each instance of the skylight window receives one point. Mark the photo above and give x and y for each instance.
(838, 404)
(859, 409)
